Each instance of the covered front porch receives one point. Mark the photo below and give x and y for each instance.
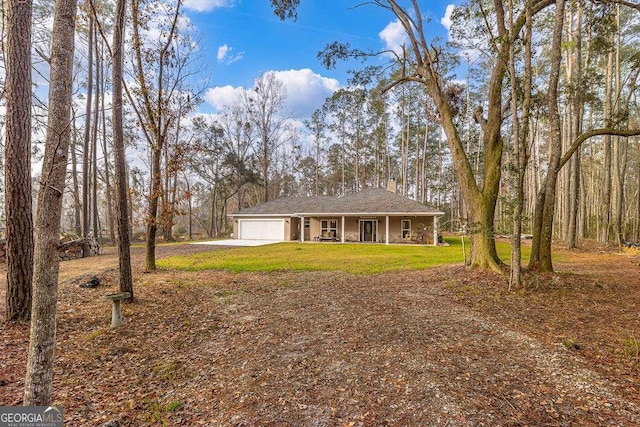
(416, 229)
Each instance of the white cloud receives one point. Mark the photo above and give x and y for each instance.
(207, 5)
(306, 92)
(224, 55)
(222, 96)
(222, 52)
(446, 20)
(394, 36)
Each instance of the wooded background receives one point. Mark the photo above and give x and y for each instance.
(196, 168)
(526, 121)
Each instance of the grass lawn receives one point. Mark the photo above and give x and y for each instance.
(351, 258)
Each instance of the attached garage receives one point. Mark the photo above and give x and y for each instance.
(261, 229)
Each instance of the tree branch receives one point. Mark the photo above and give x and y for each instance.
(595, 132)
(630, 4)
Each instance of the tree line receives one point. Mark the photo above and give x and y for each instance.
(525, 121)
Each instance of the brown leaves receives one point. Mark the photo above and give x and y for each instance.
(421, 348)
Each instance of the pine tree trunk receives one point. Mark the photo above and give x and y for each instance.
(94, 156)
(107, 161)
(77, 207)
(120, 167)
(577, 109)
(621, 145)
(39, 376)
(638, 207)
(606, 187)
(18, 205)
(520, 137)
(543, 231)
(86, 159)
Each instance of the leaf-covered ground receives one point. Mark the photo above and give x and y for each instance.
(444, 346)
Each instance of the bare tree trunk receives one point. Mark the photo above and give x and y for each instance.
(621, 145)
(212, 226)
(120, 167)
(189, 200)
(574, 191)
(638, 208)
(94, 151)
(42, 342)
(520, 138)
(155, 117)
(105, 150)
(18, 206)
(543, 236)
(577, 109)
(86, 159)
(76, 188)
(606, 188)
(152, 213)
(423, 167)
(165, 200)
(404, 143)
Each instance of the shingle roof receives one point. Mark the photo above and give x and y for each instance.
(368, 201)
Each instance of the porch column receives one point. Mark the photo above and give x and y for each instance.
(302, 229)
(386, 230)
(342, 231)
(435, 230)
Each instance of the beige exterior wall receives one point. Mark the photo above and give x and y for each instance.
(421, 228)
(315, 226)
(292, 229)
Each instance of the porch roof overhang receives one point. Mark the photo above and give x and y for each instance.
(327, 214)
(368, 214)
(260, 215)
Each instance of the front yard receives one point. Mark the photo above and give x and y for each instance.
(437, 346)
(356, 258)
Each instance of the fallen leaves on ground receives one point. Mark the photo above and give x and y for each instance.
(445, 346)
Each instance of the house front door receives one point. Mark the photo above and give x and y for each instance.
(368, 230)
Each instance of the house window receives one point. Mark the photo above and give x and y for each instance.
(329, 228)
(406, 228)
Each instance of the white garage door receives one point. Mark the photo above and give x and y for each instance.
(261, 229)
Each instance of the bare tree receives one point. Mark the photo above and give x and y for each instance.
(159, 89)
(86, 146)
(265, 105)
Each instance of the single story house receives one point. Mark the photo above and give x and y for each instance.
(370, 215)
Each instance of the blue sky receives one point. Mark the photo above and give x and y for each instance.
(242, 39)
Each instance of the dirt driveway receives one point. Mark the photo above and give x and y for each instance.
(436, 347)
